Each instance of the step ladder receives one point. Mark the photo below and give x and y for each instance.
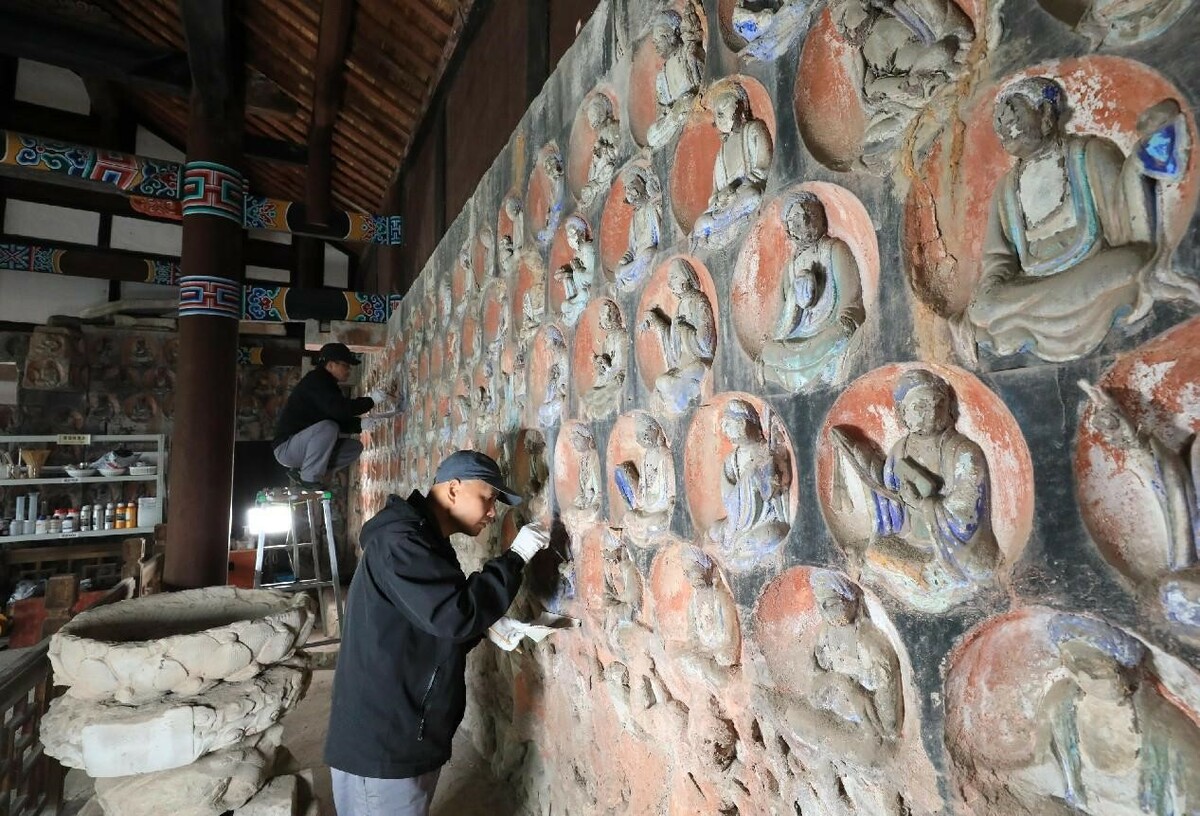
(309, 510)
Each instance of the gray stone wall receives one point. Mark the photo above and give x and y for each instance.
(790, 357)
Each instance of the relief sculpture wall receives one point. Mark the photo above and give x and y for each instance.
(851, 351)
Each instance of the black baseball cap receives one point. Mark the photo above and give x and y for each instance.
(469, 464)
(337, 353)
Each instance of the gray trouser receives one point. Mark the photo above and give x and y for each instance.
(364, 796)
(311, 450)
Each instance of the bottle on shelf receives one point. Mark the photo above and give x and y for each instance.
(54, 523)
(85, 519)
(119, 515)
(110, 515)
(39, 527)
(131, 514)
(69, 520)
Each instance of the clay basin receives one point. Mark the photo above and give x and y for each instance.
(180, 643)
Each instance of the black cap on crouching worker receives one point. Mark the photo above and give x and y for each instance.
(469, 464)
(337, 353)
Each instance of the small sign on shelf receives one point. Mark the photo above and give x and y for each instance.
(74, 439)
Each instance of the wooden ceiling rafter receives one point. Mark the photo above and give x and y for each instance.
(374, 76)
(392, 59)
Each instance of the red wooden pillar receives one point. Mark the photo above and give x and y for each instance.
(200, 489)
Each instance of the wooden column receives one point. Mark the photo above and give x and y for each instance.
(200, 490)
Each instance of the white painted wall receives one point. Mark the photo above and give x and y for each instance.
(273, 236)
(32, 297)
(139, 235)
(51, 86)
(147, 144)
(51, 223)
(266, 273)
(148, 291)
(337, 268)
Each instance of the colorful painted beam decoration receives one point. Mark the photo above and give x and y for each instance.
(272, 304)
(156, 187)
(132, 175)
(282, 304)
(84, 262)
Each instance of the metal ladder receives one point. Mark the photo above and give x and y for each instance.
(309, 504)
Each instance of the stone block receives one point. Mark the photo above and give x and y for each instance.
(180, 643)
(280, 797)
(221, 781)
(110, 740)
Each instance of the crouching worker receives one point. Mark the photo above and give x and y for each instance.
(307, 440)
(399, 692)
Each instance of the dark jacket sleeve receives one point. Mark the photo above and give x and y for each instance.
(431, 589)
(337, 406)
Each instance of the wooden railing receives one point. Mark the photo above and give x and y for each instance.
(30, 782)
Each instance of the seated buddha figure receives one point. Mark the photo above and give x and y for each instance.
(688, 338)
(822, 302)
(1069, 234)
(932, 531)
(740, 170)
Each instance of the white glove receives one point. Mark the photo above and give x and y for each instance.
(530, 540)
(379, 395)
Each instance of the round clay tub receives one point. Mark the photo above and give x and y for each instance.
(178, 643)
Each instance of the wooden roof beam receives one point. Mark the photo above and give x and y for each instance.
(337, 17)
(96, 52)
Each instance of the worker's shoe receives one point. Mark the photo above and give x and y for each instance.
(295, 480)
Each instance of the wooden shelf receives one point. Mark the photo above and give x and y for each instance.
(81, 480)
(127, 531)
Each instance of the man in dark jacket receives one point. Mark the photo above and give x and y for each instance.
(306, 435)
(411, 617)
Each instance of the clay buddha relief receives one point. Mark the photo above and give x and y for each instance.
(803, 284)
(548, 371)
(1062, 234)
(902, 55)
(739, 169)
(594, 148)
(546, 196)
(697, 618)
(677, 334)
(835, 671)
(918, 519)
(667, 73)
(1073, 242)
(641, 477)
(510, 234)
(631, 226)
(1137, 465)
(1106, 23)
(578, 481)
(600, 358)
(763, 29)
(741, 480)
(1096, 720)
(578, 274)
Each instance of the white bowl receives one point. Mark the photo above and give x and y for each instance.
(113, 471)
(143, 470)
(80, 473)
